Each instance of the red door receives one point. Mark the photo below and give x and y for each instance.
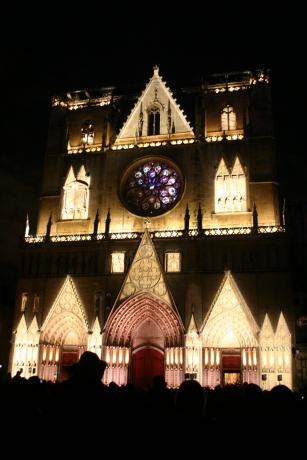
(68, 359)
(146, 364)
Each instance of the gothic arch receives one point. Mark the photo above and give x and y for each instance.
(125, 320)
(66, 316)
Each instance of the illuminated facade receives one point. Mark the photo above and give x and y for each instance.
(159, 243)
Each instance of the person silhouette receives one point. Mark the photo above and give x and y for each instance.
(89, 369)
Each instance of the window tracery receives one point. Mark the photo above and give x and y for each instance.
(76, 195)
(87, 133)
(230, 188)
(228, 119)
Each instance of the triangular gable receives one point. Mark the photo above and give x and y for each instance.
(267, 333)
(229, 321)
(145, 273)
(22, 328)
(94, 342)
(237, 167)
(192, 337)
(96, 329)
(82, 176)
(222, 169)
(192, 329)
(173, 122)
(33, 328)
(282, 334)
(67, 300)
(70, 176)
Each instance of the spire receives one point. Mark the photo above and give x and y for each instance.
(107, 224)
(27, 228)
(187, 220)
(169, 117)
(283, 214)
(48, 228)
(141, 121)
(255, 218)
(96, 224)
(199, 219)
(156, 70)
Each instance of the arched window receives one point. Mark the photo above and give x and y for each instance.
(230, 188)
(153, 127)
(238, 187)
(76, 195)
(24, 301)
(222, 188)
(228, 119)
(87, 133)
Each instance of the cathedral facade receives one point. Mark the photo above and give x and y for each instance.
(161, 242)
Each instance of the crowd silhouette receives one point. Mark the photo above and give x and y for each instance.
(82, 407)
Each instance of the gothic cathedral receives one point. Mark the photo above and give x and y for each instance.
(160, 242)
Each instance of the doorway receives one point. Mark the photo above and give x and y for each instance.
(147, 363)
(68, 359)
(231, 367)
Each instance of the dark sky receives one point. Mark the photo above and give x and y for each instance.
(54, 48)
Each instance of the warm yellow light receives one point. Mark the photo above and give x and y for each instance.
(181, 356)
(57, 353)
(217, 358)
(127, 356)
(44, 354)
(29, 352)
(287, 359)
(120, 356)
(264, 359)
(244, 357)
(195, 357)
(249, 357)
(18, 353)
(172, 356)
(176, 356)
(35, 353)
(190, 357)
(114, 355)
(108, 356)
(212, 356)
(51, 354)
(254, 357)
(280, 359)
(206, 357)
(272, 359)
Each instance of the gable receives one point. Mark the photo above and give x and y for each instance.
(156, 99)
(229, 322)
(145, 273)
(66, 313)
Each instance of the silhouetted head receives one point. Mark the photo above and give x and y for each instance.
(159, 383)
(190, 399)
(89, 368)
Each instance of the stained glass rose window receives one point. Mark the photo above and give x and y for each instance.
(152, 187)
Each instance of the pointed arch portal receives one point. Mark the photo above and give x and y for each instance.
(64, 333)
(148, 327)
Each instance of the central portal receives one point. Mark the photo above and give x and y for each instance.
(147, 363)
(231, 366)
